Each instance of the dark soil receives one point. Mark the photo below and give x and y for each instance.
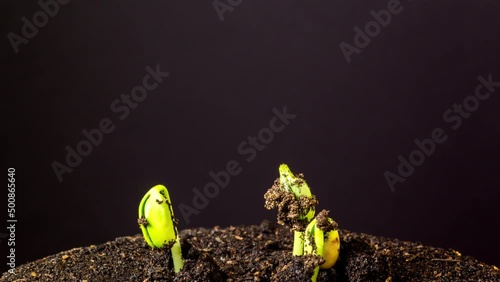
(254, 253)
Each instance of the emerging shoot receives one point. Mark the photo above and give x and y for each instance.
(291, 195)
(322, 239)
(298, 186)
(158, 224)
(317, 237)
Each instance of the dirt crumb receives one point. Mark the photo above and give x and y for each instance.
(290, 208)
(324, 223)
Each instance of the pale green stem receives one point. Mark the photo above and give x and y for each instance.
(298, 243)
(177, 256)
(315, 274)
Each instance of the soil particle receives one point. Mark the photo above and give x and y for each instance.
(142, 221)
(254, 253)
(290, 208)
(324, 223)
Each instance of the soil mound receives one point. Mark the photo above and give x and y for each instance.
(254, 253)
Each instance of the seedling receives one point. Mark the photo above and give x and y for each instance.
(318, 236)
(322, 239)
(295, 202)
(158, 224)
(298, 186)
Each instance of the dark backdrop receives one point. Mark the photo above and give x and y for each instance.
(352, 120)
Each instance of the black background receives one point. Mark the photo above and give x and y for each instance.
(353, 120)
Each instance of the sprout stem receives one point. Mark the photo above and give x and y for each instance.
(177, 256)
(298, 243)
(158, 224)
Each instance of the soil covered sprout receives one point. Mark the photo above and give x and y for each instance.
(318, 236)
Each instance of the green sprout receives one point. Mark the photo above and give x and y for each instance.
(316, 236)
(322, 239)
(298, 186)
(158, 224)
(295, 202)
